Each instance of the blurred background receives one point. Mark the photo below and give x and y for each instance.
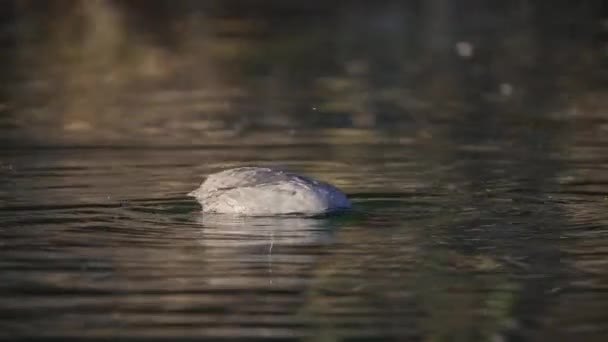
(192, 72)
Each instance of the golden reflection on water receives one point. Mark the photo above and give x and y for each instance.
(101, 72)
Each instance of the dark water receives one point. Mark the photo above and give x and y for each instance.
(473, 144)
(456, 243)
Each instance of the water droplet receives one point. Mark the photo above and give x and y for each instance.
(465, 49)
(506, 89)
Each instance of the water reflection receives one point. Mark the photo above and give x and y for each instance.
(238, 231)
(192, 73)
(277, 251)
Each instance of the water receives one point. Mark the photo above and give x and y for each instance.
(473, 148)
(467, 244)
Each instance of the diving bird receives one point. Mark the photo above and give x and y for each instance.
(258, 191)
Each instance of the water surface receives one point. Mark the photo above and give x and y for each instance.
(473, 145)
(470, 244)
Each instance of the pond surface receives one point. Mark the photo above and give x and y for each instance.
(452, 242)
(473, 145)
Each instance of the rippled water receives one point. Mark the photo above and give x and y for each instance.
(473, 142)
(452, 242)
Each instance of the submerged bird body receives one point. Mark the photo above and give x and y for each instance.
(257, 191)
